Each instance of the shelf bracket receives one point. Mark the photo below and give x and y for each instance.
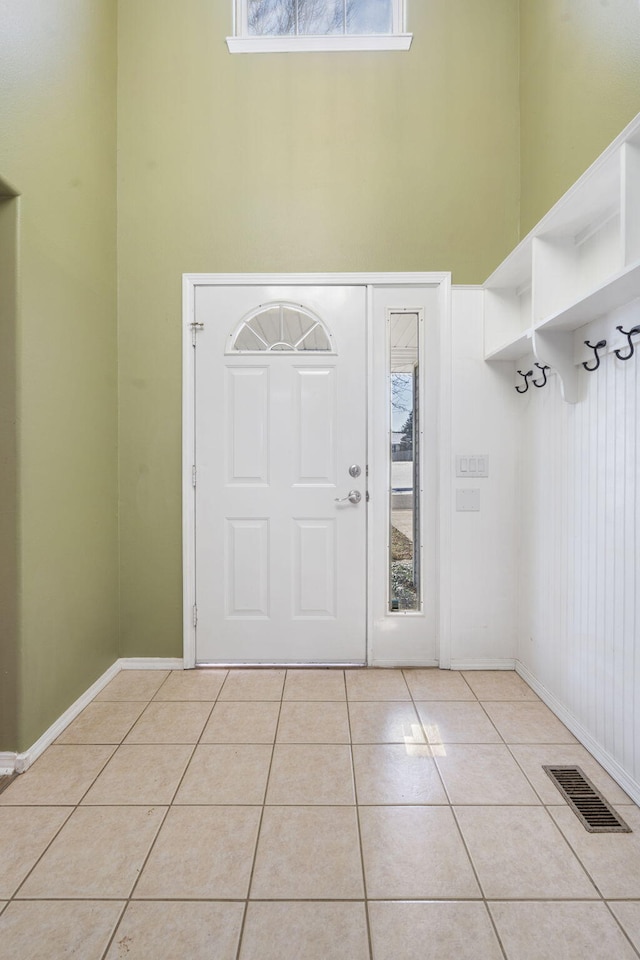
(554, 348)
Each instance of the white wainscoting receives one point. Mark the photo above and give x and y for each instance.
(579, 634)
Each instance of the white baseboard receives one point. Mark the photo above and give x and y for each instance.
(19, 762)
(611, 765)
(480, 664)
(409, 664)
(7, 763)
(151, 663)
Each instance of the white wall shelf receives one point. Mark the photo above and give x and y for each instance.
(580, 264)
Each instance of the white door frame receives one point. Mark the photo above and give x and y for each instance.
(190, 282)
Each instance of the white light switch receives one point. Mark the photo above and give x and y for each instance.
(472, 465)
(467, 499)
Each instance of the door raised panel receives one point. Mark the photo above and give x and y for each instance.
(315, 438)
(247, 404)
(247, 568)
(315, 568)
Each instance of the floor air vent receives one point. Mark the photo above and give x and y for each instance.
(586, 802)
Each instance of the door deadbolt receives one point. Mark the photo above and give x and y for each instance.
(354, 470)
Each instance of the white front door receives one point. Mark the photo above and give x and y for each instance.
(280, 418)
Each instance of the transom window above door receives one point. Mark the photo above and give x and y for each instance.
(262, 26)
(281, 328)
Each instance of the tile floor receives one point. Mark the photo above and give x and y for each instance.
(315, 815)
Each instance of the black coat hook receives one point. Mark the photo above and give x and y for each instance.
(526, 376)
(543, 370)
(600, 345)
(628, 334)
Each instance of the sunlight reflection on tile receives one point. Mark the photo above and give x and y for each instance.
(418, 749)
(415, 737)
(434, 737)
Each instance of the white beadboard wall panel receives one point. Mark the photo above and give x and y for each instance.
(580, 553)
(485, 420)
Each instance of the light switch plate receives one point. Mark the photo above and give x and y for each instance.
(472, 465)
(467, 499)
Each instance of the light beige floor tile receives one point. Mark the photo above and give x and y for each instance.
(3, 904)
(253, 685)
(313, 773)
(498, 685)
(57, 930)
(612, 859)
(97, 854)
(171, 722)
(202, 853)
(396, 774)
(140, 774)
(25, 833)
(103, 722)
(134, 685)
(313, 722)
(518, 853)
(200, 684)
(527, 723)
(628, 914)
(432, 931)
(314, 685)
(434, 684)
(559, 931)
(62, 775)
(307, 853)
(414, 853)
(226, 773)
(248, 721)
(163, 930)
(373, 683)
(456, 721)
(384, 722)
(483, 773)
(531, 758)
(313, 931)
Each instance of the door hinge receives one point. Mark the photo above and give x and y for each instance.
(195, 326)
(193, 475)
(195, 615)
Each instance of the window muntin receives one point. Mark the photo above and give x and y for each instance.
(307, 25)
(281, 328)
(318, 17)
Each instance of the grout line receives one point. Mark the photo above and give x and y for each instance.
(358, 825)
(260, 821)
(161, 824)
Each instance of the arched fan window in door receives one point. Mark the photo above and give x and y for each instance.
(281, 328)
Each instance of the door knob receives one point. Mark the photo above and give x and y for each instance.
(354, 496)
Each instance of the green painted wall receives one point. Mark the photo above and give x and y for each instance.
(285, 163)
(281, 163)
(580, 86)
(58, 150)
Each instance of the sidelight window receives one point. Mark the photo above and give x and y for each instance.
(404, 459)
